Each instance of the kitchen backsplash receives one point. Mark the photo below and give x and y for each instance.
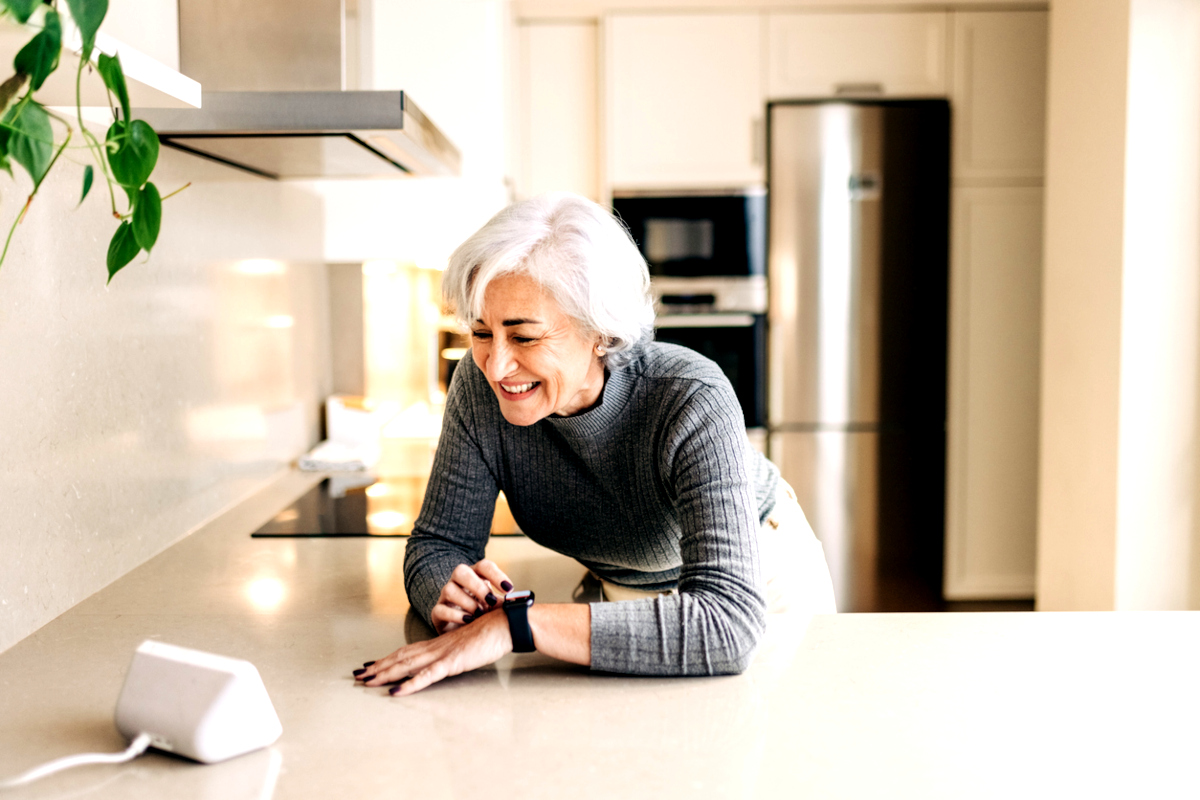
(134, 412)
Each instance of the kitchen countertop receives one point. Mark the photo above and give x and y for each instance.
(869, 705)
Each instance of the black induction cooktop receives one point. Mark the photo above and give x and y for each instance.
(360, 504)
(332, 508)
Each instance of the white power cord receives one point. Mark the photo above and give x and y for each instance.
(135, 749)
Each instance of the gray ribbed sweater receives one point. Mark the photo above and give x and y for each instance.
(654, 487)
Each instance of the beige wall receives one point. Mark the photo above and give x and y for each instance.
(136, 411)
(1118, 409)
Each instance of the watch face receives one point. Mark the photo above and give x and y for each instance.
(515, 598)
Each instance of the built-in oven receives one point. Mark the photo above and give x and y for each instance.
(707, 259)
(736, 342)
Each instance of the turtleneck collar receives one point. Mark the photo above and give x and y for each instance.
(614, 397)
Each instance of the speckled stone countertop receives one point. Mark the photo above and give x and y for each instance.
(908, 705)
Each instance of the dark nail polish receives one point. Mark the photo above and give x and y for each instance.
(467, 618)
(359, 672)
(491, 599)
(506, 585)
(395, 690)
(368, 663)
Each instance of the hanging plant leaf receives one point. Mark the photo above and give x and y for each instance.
(88, 14)
(122, 249)
(114, 79)
(30, 140)
(88, 174)
(21, 9)
(39, 57)
(147, 216)
(132, 154)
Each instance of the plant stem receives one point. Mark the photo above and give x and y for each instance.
(177, 191)
(29, 200)
(97, 151)
(13, 230)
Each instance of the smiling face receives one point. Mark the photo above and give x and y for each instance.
(535, 357)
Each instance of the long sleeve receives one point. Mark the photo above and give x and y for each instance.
(456, 514)
(713, 624)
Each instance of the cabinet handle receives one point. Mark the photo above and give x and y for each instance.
(858, 88)
(758, 141)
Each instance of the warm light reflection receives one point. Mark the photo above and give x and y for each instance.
(280, 321)
(260, 266)
(378, 490)
(266, 594)
(387, 519)
(385, 575)
(453, 353)
(379, 267)
(287, 515)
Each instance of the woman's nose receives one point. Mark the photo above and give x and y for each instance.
(499, 362)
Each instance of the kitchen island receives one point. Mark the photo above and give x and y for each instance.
(870, 705)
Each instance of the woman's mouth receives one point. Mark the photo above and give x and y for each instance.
(515, 391)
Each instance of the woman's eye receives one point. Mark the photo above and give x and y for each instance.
(523, 339)
(481, 335)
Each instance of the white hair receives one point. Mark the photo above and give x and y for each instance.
(577, 251)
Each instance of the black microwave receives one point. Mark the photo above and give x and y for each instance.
(694, 235)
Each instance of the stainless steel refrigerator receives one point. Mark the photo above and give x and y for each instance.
(857, 268)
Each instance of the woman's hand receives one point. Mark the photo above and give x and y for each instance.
(470, 592)
(467, 648)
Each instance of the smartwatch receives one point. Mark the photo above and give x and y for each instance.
(516, 608)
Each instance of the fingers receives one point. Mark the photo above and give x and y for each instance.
(431, 674)
(490, 572)
(418, 665)
(454, 595)
(447, 618)
(399, 665)
(469, 581)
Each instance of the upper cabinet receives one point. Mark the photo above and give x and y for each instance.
(823, 55)
(999, 94)
(557, 108)
(684, 101)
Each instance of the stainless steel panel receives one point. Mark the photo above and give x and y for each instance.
(835, 476)
(320, 156)
(388, 127)
(824, 263)
(262, 45)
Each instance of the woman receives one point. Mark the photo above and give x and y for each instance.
(627, 455)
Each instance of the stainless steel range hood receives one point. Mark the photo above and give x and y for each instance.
(281, 96)
(310, 134)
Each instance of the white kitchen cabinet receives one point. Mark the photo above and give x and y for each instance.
(823, 54)
(558, 108)
(999, 94)
(684, 101)
(995, 340)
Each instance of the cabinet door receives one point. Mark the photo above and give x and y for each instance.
(995, 341)
(999, 94)
(820, 55)
(684, 101)
(558, 126)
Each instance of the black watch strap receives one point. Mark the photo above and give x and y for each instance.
(516, 608)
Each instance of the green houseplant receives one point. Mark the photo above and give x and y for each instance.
(127, 155)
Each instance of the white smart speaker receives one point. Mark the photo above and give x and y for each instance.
(200, 705)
